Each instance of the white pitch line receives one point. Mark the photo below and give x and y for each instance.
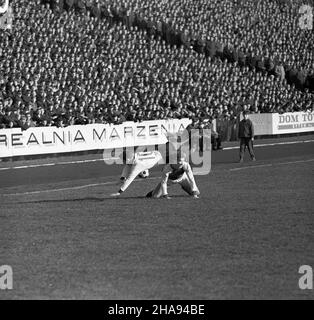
(36, 166)
(72, 188)
(251, 167)
(271, 165)
(58, 190)
(4, 169)
(79, 162)
(295, 162)
(272, 144)
(138, 180)
(110, 159)
(57, 164)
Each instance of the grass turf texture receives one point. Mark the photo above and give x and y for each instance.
(245, 238)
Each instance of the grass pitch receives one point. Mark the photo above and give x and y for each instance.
(245, 238)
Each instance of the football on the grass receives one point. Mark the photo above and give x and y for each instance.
(144, 174)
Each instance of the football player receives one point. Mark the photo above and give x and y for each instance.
(180, 173)
(137, 164)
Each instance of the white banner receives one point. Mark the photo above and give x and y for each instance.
(45, 140)
(293, 122)
(263, 123)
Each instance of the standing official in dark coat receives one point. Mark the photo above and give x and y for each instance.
(246, 136)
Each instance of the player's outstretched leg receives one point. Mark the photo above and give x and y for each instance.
(134, 172)
(187, 187)
(143, 161)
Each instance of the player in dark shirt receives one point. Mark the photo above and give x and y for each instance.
(181, 174)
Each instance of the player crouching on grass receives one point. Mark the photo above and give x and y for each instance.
(180, 173)
(137, 164)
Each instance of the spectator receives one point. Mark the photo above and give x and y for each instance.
(64, 62)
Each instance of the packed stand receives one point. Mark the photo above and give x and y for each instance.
(267, 30)
(64, 68)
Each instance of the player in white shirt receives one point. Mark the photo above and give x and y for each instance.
(181, 174)
(139, 162)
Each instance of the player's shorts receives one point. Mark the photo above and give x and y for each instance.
(147, 160)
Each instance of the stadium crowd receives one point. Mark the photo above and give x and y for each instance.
(266, 35)
(91, 64)
(266, 30)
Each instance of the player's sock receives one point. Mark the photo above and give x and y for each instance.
(117, 194)
(196, 194)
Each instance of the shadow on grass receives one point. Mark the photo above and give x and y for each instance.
(99, 199)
